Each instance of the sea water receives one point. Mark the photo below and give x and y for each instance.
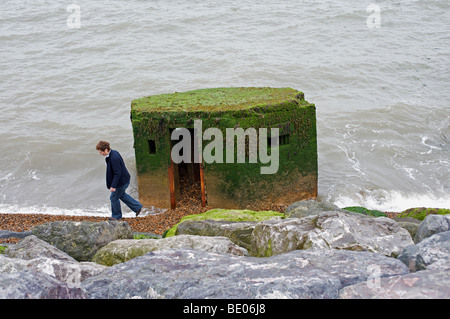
(377, 71)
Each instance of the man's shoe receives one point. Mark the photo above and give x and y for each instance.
(112, 218)
(138, 212)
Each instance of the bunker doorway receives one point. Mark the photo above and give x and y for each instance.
(186, 179)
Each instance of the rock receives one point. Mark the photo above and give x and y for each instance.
(331, 230)
(13, 234)
(427, 284)
(239, 233)
(432, 224)
(72, 273)
(186, 273)
(32, 247)
(35, 285)
(305, 208)
(409, 256)
(431, 253)
(410, 227)
(32, 253)
(144, 235)
(122, 250)
(407, 219)
(228, 215)
(81, 240)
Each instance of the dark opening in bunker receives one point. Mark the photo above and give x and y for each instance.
(186, 178)
(151, 147)
(282, 140)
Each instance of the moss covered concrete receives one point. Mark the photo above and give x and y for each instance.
(215, 100)
(229, 185)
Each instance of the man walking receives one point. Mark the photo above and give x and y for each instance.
(117, 181)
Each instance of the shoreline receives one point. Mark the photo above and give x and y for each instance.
(157, 224)
(19, 222)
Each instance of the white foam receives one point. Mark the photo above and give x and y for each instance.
(393, 201)
(103, 211)
(16, 209)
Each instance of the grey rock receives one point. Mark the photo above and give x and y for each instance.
(35, 285)
(239, 233)
(331, 230)
(123, 250)
(409, 256)
(72, 273)
(32, 247)
(81, 240)
(13, 234)
(407, 219)
(432, 224)
(431, 253)
(410, 227)
(426, 284)
(199, 274)
(305, 208)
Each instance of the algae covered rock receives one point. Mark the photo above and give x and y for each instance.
(228, 215)
(421, 212)
(240, 233)
(123, 250)
(365, 211)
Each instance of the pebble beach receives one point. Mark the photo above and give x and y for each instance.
(189, 204)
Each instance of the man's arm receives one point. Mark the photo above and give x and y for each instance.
(117, 169)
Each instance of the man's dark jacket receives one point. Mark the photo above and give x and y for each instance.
(116, 173)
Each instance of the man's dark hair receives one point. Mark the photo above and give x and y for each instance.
(102, 146)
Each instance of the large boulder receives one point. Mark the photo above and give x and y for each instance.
(234, 215)
(32, 247)
(81, 240)
(305, 208)
(331, 230)
(431, 253)
(32, 253)
(71, 273)
(239, 233)
(432, 224)
(427, 284)
(122, 250)
(13, 234)
(186, 273)
(36, 285)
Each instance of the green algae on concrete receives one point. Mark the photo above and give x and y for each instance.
(215, 100)
(228, 215)
(421, 212)
(228, 185)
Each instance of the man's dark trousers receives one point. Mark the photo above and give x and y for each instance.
(120, 195)
(117, 177)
